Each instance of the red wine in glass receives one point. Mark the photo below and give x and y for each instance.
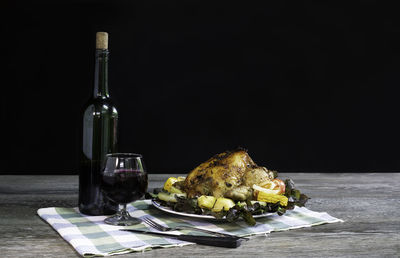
(123, 180)
(125, 185)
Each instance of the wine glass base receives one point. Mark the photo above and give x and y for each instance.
(118, 220)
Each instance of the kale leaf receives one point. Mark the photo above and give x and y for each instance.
(295, 197)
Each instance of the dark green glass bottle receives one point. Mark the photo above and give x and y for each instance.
(99, 137)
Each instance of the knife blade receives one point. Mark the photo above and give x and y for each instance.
(228, 242)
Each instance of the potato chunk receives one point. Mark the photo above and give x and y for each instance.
(170, 197)
(223, 204)
(206, 202)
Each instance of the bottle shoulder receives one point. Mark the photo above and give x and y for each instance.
(101, 104)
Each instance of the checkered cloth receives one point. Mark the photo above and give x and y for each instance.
(90, 236)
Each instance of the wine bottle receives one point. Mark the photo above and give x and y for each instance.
(99, 137)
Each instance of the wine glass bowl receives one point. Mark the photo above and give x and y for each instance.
(124, 180)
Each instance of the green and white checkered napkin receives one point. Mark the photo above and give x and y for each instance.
(90, 236)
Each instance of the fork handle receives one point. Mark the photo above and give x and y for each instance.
(229, 242)
(209, 232)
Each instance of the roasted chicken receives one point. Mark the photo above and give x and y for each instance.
(229, 174)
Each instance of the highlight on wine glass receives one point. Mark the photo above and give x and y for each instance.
(124, 180)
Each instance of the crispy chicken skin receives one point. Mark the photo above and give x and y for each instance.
(228, 174)
(257, 176)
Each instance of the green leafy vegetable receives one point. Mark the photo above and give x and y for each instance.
(295, 197)
(248, 217)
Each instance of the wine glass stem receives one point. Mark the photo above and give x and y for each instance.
(122, 211)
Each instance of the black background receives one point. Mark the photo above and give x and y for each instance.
(304, 86)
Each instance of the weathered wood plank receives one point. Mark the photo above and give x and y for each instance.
(368, 202)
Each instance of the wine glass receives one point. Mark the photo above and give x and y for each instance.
(124, 180)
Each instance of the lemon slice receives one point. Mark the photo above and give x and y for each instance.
(170, 181)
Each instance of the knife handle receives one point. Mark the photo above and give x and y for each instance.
(230, 242)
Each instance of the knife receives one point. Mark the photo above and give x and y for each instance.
(229, 242)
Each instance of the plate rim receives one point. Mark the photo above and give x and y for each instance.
(169, 210)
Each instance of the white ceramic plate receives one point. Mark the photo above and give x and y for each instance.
(169, 210)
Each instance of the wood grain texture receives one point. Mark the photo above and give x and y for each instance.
(369, 203)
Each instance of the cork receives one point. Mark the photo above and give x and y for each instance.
(101, 40)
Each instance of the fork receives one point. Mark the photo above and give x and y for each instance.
(162, 228)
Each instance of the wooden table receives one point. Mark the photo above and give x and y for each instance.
(369, 203)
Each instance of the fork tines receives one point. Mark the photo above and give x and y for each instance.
(154, 224)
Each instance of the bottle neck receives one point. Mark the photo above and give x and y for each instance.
(100, 89)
